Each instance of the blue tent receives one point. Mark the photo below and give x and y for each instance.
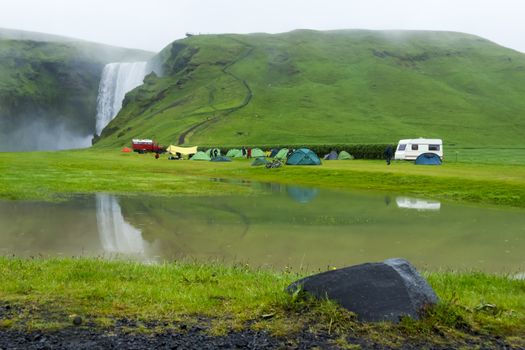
(331, 156)
(221, 159)
(428, 159)
(303, 156)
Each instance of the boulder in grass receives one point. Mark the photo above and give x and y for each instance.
(384, 291)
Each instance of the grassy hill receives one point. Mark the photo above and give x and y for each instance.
(349, 86)
(49, 86)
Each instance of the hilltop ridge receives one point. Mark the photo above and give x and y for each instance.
(343, 86)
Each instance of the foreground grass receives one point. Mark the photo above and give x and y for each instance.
(46, 175)
(234, 297)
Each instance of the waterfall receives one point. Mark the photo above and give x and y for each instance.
(117, 79)
(116, 235)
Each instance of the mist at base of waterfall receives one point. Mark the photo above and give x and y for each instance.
(42, 135)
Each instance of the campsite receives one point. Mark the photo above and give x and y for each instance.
(262, 175)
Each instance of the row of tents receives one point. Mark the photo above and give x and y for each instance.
(302, 156)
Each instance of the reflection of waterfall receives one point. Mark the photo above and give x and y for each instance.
(116, 235)
(418, 204)
(117, 79)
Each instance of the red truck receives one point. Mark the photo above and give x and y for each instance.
(146, 145)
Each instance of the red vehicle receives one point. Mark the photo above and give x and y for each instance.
(146, 145)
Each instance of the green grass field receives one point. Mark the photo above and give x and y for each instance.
(234, 297)
(312, 87)
(48, 175)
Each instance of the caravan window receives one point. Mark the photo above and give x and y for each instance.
(415, 147)
(401, 147)
(433, 147)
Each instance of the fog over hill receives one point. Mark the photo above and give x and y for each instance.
(48, 89)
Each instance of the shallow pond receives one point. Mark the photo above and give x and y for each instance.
(281, 227)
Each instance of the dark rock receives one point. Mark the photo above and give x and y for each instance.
(77, 320)
(384, 291)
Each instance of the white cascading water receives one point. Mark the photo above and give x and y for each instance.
(117, 80)
(116, 235)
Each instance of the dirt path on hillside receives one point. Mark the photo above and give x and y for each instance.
(225, 112)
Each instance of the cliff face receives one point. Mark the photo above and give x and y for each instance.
(48, 91)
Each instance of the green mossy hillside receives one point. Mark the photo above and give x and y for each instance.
(49, 82)
(349, 86)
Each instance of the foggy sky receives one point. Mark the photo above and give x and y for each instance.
(152, 24)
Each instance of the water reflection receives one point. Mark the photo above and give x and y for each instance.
(274, 226)
(302, 194)
(417, 204)
(519, 276)
(117, 235)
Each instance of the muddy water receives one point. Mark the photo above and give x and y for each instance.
(283, 226)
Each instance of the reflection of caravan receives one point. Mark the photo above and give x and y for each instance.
(418, 204)
(411, 149)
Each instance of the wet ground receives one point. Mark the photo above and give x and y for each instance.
(125, 335)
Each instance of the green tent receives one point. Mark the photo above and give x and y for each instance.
(211, 151)
(257, 152)
(260, 161)
(234, 153)
(281, 155)
(344, 155)
(200, 156)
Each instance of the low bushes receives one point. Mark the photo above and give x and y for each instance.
(363, 151)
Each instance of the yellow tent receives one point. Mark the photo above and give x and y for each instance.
(182, 150)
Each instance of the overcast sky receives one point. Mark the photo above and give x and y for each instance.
(152, 24)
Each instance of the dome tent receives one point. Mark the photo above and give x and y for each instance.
(221, 159)
(257, 152)
(303, 156)
(331, 156)
(200, 156)
(234, 153)
(344, 155)
(428, 159)
(259, 161)
(281, 155)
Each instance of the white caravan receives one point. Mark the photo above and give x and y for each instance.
(410, 149)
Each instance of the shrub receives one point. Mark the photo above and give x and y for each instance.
(359, 151)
